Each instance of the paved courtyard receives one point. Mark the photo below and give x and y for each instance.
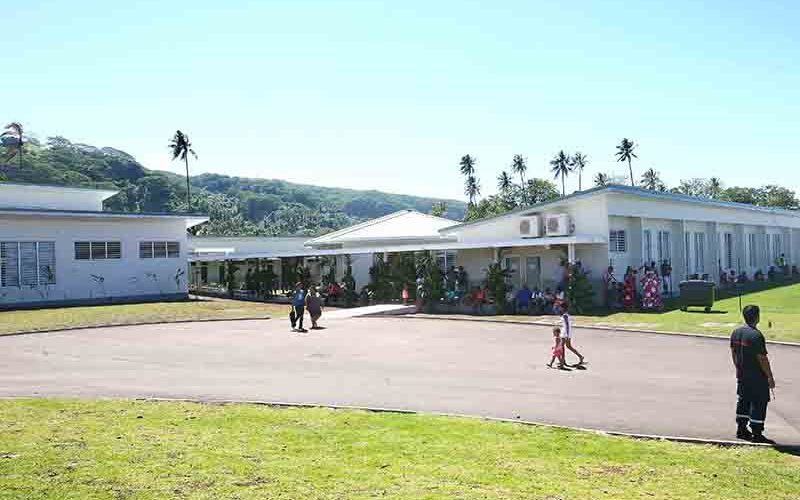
(640, 383)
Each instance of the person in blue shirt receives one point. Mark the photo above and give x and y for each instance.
(524, 299)
(298, 308)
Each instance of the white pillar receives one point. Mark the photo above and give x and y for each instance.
(571, 253)
(385, 257)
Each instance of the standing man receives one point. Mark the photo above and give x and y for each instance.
(298, 307)
(754, 377)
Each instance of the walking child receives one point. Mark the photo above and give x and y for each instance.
(558, 349)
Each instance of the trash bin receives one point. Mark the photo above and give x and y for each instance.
(697, 293)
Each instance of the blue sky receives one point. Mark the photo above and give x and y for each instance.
(389, 95)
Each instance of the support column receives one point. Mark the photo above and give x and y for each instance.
(571, 253)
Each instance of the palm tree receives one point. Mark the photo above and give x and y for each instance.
(504, 182)
(181, 148)
(561, 169)
(578, 163)
(472, 189)
(519, 167)
(652, 180)
(714, 187)
(14, 130)
(625, 153)
(467, 165)
(601, 179)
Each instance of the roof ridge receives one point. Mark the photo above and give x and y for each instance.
(361, 225)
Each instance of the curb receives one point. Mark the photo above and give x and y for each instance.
(596, 327)
(120, 325)
(400, 411)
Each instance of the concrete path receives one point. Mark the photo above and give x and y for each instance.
(375, 310)
(640, 383)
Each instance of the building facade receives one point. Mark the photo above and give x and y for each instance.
(58, 246)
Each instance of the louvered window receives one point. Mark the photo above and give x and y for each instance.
(159, 250)
(98, 250)
(27, 263)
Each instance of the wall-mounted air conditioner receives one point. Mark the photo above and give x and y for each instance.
(529, 227)
(557, 225)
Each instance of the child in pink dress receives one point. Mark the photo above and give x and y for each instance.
(558, 349)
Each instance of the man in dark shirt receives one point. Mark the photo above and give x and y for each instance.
(753, 375)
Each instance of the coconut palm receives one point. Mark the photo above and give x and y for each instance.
(181, 149)
(519, 167)
(467, 165)
(714, 187)
(560, 163)
(601, 179)
(578, 162)
(652, 180)
(472, 189)
(504, 182)
(625, 153)
(14, 131)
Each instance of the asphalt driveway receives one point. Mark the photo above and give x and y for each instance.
(640, 383)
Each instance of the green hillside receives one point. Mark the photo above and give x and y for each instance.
(236, 205)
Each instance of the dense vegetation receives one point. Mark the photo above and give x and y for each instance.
(237, 206)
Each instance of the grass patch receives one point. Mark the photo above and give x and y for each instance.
(55, 449)
(780, 316)
(127, 314)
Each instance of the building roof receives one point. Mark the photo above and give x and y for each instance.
(404, 224)
(635, 191)
(223, 254)
(105, 193)
(191, 219)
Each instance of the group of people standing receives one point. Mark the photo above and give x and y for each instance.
(633, 292)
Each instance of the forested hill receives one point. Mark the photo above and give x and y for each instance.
(237, 206)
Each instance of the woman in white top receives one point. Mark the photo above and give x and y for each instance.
(566, 334)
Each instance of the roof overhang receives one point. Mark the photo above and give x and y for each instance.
(190, 219)
(528, 242)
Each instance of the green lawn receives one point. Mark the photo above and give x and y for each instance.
(126, 314)
(780, 316)
(135, 450)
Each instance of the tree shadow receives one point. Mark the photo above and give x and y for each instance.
(793, 450)
(673, 303)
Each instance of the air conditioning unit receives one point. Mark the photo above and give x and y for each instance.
(529, 227)
(557, 225)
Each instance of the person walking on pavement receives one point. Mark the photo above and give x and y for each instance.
(298, 308)
(314, 306)
(753, 376)
(566, 335)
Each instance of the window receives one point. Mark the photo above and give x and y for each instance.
(160, 250)
(699, 252)
(27, 263)
(647, 245)
(445, 260)
(727, 241)
(664, 247)
(777, 247)
(752, 249)
(98, 250)
(617, 241)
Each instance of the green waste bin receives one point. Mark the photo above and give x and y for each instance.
(697, 293)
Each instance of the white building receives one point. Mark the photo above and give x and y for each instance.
(357, 246)
(612, 225)
(57, 245)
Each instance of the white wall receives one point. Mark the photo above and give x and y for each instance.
(122, 278)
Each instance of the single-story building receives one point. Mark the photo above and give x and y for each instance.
(613, 225)
(357, 246)
(58, 246)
